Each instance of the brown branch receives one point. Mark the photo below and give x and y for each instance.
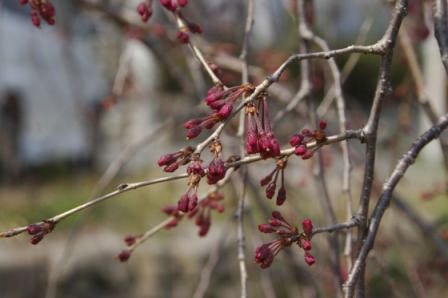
(386, 196)
(370, 129)
(440, 13)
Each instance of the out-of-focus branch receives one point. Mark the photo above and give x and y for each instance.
(370, 130)
(422, 95)
(386, 196)
(440, 13)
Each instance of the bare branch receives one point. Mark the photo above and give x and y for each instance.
(386, 196)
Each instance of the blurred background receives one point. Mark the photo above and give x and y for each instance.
(95, 100)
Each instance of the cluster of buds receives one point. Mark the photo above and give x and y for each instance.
(221, 102)
(172, 161)
(189, 200)
(216, 168)
(144, 9)
(299, 140)
(38, 231)
(288, 234)
(173, 4)
(40, 9)
(202, 213)
(259, 137)
(125, 254)
(194, 28)
(271, 181)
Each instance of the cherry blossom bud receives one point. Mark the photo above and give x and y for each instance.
(270, 190)
(307, 226)
(306, 132)
(195, 28)
(182, 2)
(323, 124)
(277, 215)
(166, 159)
(23, 2)
(194, 132)
(305, 244)
(307, 155)
(35, 19)
(193, 202)
(192, 123)
(275, 222)
(171, 168)
(296, 140)
(36, 238)
(309, 259)
(182, 205)
(124, 256)
(129, 240)
(171, 224)
(182, 37)
(300, 150)
(265, 228)
(33, 229)
(225, 111)
(281, 196)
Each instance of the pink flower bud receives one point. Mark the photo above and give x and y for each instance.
(225, 111)
(300, 150)
(194, 132)
(36, 238)
(275, 222)
(270, 190)
(23, 2)
(33, 229)
(296, 140)
(124, 255)
(182, 37)
(306, 245)
(281, 196)
(308, 154)
(309, 259)
(35, 19)
(323, 124)
(307, 226)
(193, 202)
(265, 228)
(266, 180)
(182, 2)
(166, 159)
(171, 168)
(192, 123)
(277, 215)
(195, 28)
(182, 204)
(306, 132)
(129, 240)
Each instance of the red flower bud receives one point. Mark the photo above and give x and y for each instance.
(323, 124)
(265, 228)
(296, 140)
(182, 2)
(281, 196)
(277, 215)
(33, 229)
(309, 259)
(300, 150)
(124, 256)
(129, 240)
(36, 238)
(307, 226)
(308, 154)
(194, 132)
(183, 37)
(225, 111)
(305, 244)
